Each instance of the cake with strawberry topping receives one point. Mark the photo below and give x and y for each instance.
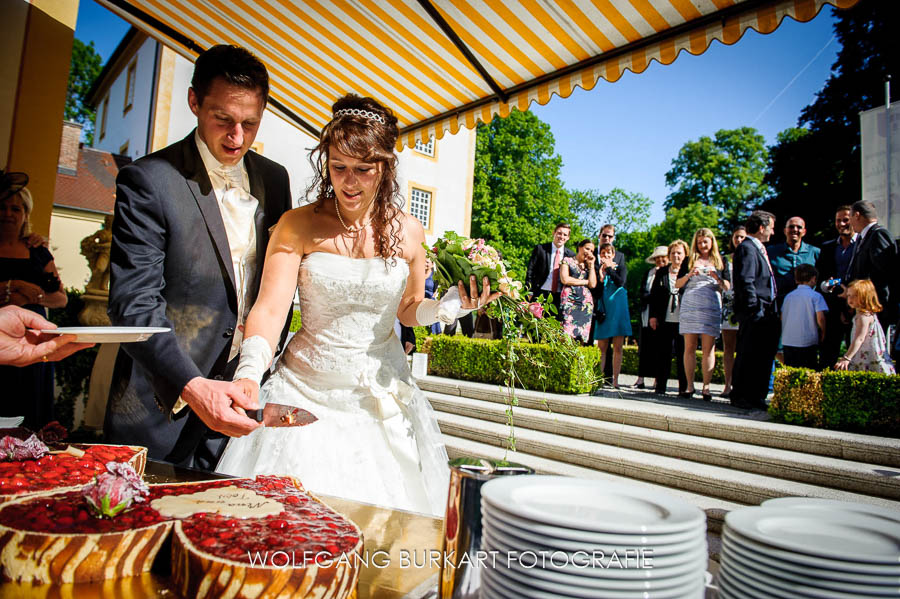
(30, 467)
(240, 538)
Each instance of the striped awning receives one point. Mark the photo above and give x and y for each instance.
(446, 64)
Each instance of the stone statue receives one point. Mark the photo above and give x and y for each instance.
(95, 247)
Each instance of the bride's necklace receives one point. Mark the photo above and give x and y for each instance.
(351, 230)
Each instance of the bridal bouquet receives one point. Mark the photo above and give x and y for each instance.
(455, 259)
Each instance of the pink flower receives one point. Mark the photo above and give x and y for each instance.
(537, 309)
(114, 490)
(17, 450)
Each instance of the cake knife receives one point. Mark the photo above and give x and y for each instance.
(274, 414)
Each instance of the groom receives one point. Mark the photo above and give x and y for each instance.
(189, 237)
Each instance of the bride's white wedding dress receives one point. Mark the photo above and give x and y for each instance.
(376, 439)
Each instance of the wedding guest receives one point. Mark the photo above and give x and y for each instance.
(578, 277)
(617, 323)
(647, 347)
(20, 345)
(189, 236)
(434, 329)
(868, 348)
(664, 312)
(703, 278)
(803, 320)
(29, 279)
(757, 314)
(542, 274)
(789, 254)
(618, 274)
(875, 258)
(833, 264)
(729, 321)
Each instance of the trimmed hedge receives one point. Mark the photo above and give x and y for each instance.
(859, 402)
(482, 360)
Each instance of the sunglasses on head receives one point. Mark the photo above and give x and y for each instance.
(11, 183)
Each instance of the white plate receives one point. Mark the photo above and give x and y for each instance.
(579, 565)
(515, 589)
(593, 505)
(806, 560)
(490, 522)
(833, 505)
(730, 588)
(839, 535)
(108, 334)
(789, 588)
(733, 559)
(824, 577)
(11, 421)
(583, 536)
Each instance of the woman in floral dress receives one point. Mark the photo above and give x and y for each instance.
(868, 348)
(577, 275)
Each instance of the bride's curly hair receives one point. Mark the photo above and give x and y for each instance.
(358, 134)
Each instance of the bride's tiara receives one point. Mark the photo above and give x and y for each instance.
(367, 114)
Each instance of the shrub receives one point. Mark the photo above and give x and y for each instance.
(295, 321)
(483, 360)
(861, 402)
(73, 375)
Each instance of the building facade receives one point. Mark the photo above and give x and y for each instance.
(141, 101)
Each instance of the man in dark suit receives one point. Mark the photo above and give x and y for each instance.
(542, 275)
(833, 262)
(875, 258)
(755, 308)
(188, 241)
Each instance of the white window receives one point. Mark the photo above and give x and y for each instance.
(420, 206)
(104, 111)
(427, 149)
(129, 85)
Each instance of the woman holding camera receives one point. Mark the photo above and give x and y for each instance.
(28, 278)
(703, 277)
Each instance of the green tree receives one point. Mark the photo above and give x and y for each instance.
(84, 68)
(812, 174)
(517, 195)
(726, 172)
(628, 211)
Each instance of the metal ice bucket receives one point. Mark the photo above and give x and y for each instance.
(460, 572)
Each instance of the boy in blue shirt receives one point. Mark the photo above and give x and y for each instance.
(803, 320)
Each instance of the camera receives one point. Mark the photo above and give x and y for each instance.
(703, 270)
(832, 286)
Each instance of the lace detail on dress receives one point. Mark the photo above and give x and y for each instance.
(377, 439)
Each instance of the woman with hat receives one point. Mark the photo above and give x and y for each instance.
(28, 278)
(647, 349)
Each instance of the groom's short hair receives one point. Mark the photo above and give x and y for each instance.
(236, 65)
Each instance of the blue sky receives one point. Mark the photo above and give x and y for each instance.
(625, 134)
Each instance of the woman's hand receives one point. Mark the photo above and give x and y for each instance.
(250, 389)
(843, 363)
(31, 293)
(473, 301)
(590, 259)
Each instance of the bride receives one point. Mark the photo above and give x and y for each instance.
(359, 263)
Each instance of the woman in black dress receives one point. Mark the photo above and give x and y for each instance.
(664, 314)
(28, 278)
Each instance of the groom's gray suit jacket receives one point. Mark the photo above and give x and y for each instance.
(171, 267)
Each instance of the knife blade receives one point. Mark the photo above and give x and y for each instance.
(274, 414)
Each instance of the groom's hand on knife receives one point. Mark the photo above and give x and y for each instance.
(220, 405)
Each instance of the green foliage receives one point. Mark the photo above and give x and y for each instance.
(626, 210)
(860, 402)
(296, 321)
(73, 375)
(810, 175)
(725, 172)
(484, 361)
(518, 196)
(83, 69)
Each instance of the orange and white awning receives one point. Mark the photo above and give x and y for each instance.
(446, 64)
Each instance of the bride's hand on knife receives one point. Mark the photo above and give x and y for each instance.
(220, 405)
(250, 389)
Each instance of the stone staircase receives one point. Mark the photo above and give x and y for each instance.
(717, 457)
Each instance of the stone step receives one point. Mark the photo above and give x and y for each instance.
(703, 479)
(714, 507)
(780, 463)
(691, 417)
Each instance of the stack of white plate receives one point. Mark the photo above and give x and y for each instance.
(554, 536)
(802, 547)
